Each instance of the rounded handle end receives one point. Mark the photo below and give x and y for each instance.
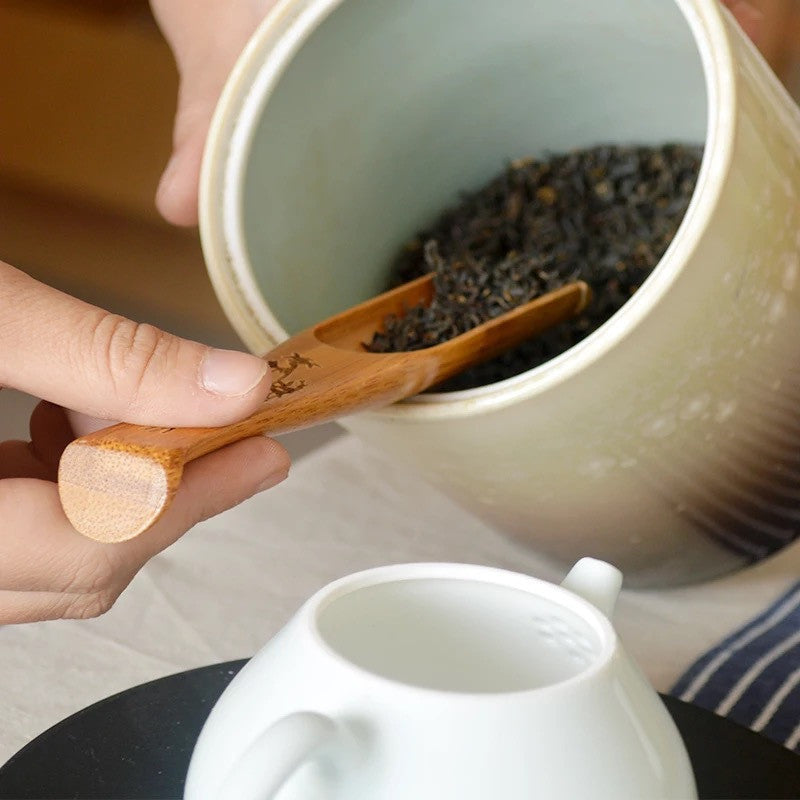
(110, 494)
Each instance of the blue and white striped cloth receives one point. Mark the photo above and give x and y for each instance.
(753, 676)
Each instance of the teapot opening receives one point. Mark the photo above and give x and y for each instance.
(460, 635)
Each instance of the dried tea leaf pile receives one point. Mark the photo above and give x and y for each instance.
(605, 215)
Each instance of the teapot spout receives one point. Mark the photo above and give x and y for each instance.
(595, 581)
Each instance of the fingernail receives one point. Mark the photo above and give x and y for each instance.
(230, 373)
(274, 479)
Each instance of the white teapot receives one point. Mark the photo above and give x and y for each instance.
(440, 681)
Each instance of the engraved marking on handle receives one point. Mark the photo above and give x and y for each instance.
(282, 385)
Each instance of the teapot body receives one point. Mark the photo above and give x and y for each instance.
(432, 681)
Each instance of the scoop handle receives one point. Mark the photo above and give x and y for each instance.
(116, 483)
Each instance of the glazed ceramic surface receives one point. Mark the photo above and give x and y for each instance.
(434, 681)
(669, 440)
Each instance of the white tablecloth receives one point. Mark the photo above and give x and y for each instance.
(226, 587)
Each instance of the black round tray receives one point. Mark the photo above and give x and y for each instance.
(136, 746)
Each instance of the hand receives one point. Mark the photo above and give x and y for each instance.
(747, 16)
(108, 368)
(206, 37)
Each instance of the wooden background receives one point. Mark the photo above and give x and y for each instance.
(88, 95)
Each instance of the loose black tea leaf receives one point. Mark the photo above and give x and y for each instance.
(605, 215)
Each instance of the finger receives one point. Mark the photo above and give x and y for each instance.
(50, 433)
(20, 607)
(17, 460)
(41, 551)
(178, 189)
(81, 357)
(206, 42)
(749, 17)
(81, 424)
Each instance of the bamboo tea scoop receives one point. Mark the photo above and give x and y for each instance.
(115, 483)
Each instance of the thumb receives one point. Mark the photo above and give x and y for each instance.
(81, 357)
(206, 37)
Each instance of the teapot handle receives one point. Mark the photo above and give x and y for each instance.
(595, 581)
(275, 755)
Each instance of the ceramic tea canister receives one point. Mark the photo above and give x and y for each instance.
(668, 441)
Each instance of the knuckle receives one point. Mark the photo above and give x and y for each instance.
(130, 353)
(96, 582)
(89, 606)
(93, 574)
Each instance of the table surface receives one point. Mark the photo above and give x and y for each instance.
(222, 591)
